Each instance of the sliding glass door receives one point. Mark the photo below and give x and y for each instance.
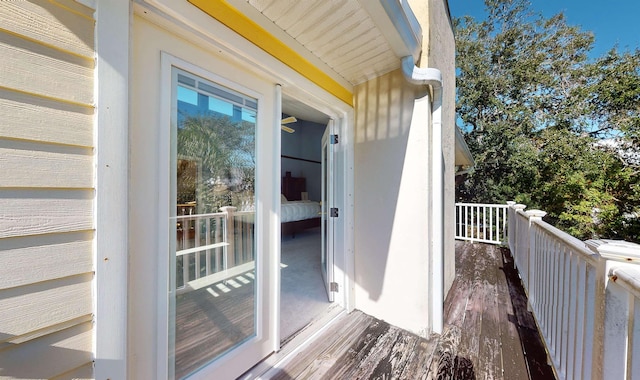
(212, 265)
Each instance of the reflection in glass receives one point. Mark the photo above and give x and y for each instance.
(213, 255)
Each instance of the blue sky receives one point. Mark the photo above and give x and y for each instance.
(610, 21)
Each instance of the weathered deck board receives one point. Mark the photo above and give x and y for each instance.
(488, 334)
(321, 356)
(490, 354)
(532, 346)
(513, 362)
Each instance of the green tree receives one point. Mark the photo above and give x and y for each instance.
(614, 94)
(534, 109)
(216, 161)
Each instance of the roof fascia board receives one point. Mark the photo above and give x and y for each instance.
(463, 149)
(398, 24)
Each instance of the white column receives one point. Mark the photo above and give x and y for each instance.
(112, 181)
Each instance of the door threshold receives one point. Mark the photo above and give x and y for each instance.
(294, 344)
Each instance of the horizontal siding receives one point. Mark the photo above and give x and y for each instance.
(68, 26)
(46, 189)
(44, 305)
(49, 356)
(32, 212)
(38, 69)
(29, 117)
(39, 165)
(45, 257)
(81, 373)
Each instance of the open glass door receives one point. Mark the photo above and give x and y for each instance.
(328, 213)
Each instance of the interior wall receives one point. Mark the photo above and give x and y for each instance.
(305, 144)
(391, 159)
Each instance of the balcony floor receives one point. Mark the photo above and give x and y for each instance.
(488, 334)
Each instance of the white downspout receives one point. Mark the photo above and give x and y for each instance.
(433, 78)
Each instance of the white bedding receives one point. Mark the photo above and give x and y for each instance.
(299, 210)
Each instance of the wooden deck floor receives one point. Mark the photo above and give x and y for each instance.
(488, 334)
(208, 325)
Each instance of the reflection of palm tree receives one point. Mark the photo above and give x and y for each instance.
(225, 154)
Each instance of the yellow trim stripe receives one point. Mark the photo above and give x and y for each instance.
(247, 28)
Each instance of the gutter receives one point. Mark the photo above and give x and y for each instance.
(433, 78)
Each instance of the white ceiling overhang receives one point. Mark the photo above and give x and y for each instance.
(337, 44)
(356, 39)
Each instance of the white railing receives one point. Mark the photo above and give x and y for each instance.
(208, 245)
(583, 295)
(484, 223)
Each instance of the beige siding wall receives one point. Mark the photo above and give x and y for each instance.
(46, 189)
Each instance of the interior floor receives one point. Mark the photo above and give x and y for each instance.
(303, 296)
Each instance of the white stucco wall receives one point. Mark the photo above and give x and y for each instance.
(392, 247)
(391, 204)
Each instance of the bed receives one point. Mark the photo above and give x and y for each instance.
(297, 214)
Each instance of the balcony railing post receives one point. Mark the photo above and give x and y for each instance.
(534, 216)
(229, 257)
(618, 334)
(518, 243)
(511, 220)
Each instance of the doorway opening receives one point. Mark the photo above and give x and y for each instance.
(305, 237)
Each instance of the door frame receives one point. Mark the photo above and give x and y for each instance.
(187, 22)
(327, 221)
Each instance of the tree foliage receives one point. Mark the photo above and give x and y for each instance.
(536, 109)
(216, 161)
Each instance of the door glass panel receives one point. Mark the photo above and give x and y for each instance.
(212, 247)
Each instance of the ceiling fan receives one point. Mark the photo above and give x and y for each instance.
(288, 120)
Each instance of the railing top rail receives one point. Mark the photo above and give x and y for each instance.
(626, 277)
(575, 243)
(495, 205)
(198, 216)
(244, 213)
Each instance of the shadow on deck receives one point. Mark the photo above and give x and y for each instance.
(488, 334)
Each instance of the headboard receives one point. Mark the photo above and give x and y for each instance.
(293, 187)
